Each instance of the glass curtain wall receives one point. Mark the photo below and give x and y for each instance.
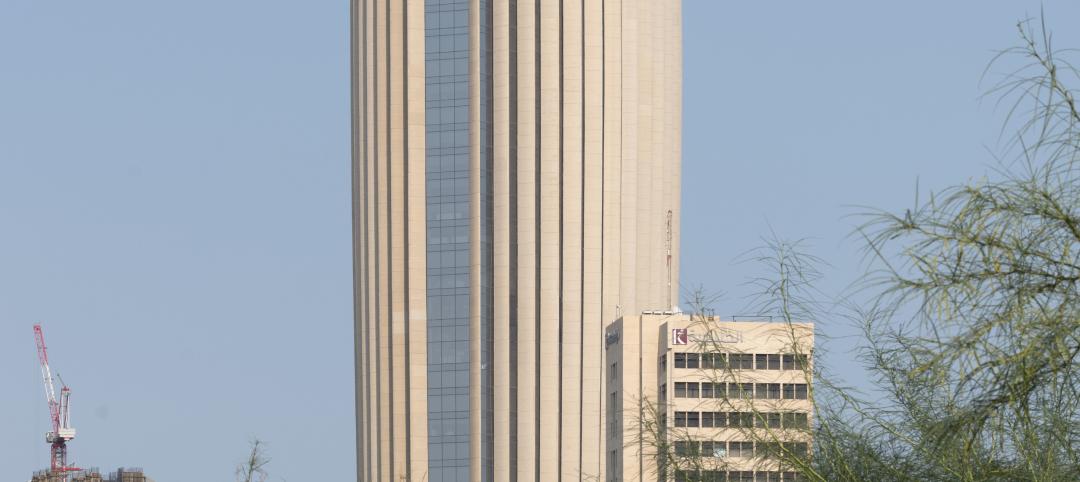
(448, 241)
(446, 35)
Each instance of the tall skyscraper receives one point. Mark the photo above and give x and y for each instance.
(516, 187)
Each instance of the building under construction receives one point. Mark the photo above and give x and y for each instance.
(62, 432)
(129, 474)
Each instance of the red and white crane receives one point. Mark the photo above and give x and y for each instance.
(59, 411)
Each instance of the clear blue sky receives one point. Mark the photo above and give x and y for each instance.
(174, 199)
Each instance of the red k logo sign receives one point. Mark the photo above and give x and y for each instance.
(678, 336)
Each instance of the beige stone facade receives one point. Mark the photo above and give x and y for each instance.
(713, 396)
(523, 155)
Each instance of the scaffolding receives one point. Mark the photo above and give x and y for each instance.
(123, 474)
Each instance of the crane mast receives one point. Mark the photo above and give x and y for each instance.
(59, 411)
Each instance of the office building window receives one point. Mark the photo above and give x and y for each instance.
(720, 419)
(680, 360)
(740, 390)
(768, 449)
(741, 476)
(713, 360)
(761, 361)
(692, 390)
(714, 449)
(774, 362)
(707, 390)
(741, 449)
(680, 419)
(741, 361)
(713, 476)
(773, 419)
(801, 362)
(767, 476)
(768, 391)
(795, 420)
(798, 449)
(692, 360)
(683, 448)
(795, 391)
(740, 419)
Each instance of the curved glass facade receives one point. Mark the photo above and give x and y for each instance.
(448, 170)
(446, 53)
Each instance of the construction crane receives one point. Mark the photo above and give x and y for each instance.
(59, 411)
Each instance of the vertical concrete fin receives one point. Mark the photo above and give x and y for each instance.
(572, 173)
(416, 240)
(527, 414)
(398, 322)
(549, 184)
(592, 422)
(383, 316)
(501, 237)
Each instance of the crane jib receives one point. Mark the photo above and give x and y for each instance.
(59, 410)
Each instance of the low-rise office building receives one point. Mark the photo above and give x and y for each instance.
(694, 398)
